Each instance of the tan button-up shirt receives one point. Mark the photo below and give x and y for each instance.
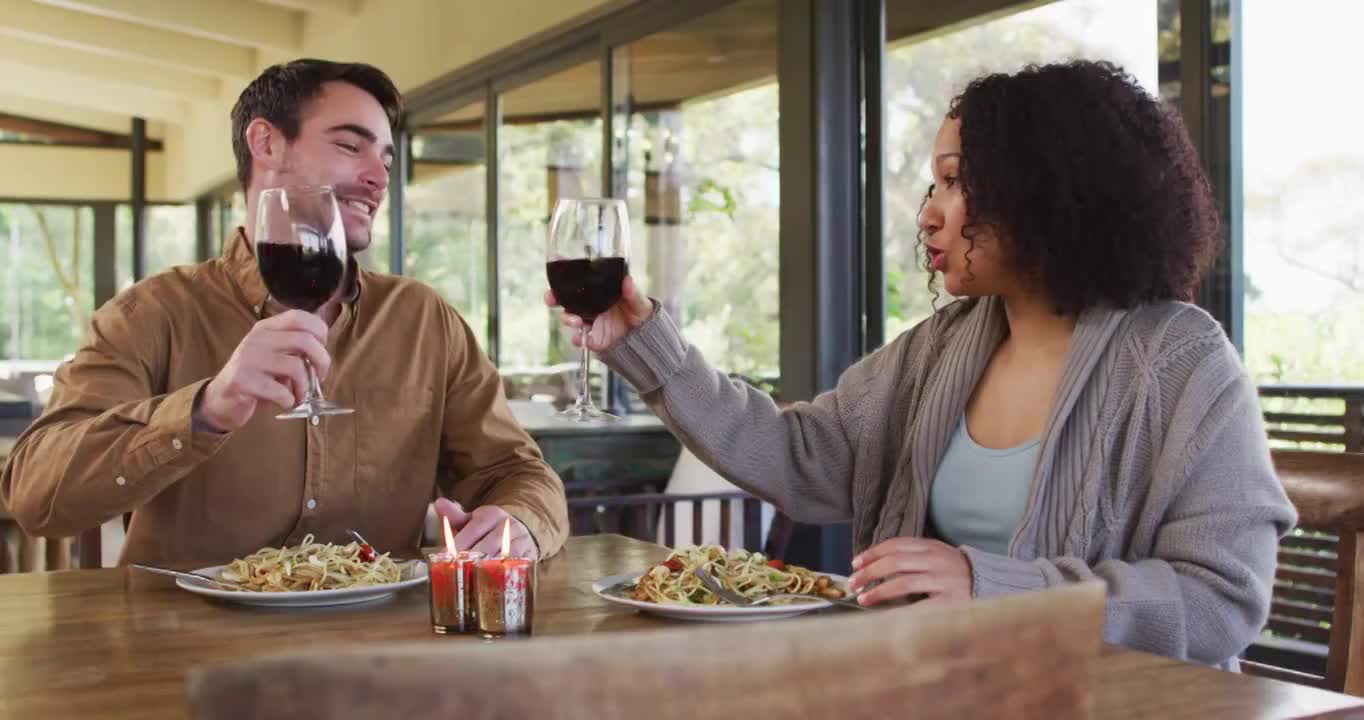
(429, 413)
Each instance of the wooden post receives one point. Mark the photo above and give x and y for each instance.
(1354, 423)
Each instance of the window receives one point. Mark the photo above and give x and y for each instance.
(1303, 177)
(379, 256)
(696, 148)
(46, 292)
(549, 147)
(231, 210)
(925, 69)
(169, 239)
(446, 214)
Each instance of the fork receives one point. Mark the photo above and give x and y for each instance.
(720, 591)
(736, 599)
(843, 601)
(187, 575)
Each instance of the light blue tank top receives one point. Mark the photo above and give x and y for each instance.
(979, 494)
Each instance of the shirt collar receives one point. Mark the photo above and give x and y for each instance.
(240, 259)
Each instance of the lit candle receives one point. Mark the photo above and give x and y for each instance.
(506, 591)
(454, 609)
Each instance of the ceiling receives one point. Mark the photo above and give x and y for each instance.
(731, 49)
(95, 64)
(724, 51)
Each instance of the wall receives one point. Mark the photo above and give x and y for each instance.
(71, 173)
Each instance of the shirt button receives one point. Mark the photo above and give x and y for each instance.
(120, 480)
(175, 443)
(315, 420)
(312, 503)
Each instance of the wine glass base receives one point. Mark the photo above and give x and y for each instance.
(314, 409)
(586, 413)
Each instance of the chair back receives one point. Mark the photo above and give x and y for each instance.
(1315, 633)
(655, 518)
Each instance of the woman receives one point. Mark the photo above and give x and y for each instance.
(1070, 417)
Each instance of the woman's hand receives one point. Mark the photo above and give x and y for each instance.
(626, 315)
(912, 566)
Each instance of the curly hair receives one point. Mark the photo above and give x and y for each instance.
(1091, 183)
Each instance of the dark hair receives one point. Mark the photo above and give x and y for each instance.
(279, 94)
(1091, 184)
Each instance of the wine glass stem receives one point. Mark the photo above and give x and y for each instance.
(314, 387)
(585, 394)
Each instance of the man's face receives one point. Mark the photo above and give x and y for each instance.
(345, 141)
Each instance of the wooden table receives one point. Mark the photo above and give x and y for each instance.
(115, 643)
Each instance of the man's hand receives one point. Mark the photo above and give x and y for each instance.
(481, 530)
(267, 366)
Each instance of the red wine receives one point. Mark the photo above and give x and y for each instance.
(298, 278)
(587, 288)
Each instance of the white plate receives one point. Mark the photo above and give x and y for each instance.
(412, 573)
(710, 613)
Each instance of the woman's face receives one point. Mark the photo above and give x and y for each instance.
(942, 219)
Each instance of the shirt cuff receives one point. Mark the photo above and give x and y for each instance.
(170, 436)
(650, 354)
(993, 575)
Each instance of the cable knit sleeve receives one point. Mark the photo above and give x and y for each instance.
(800, 458)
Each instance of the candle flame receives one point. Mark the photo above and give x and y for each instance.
(449, 536)
(506, 538)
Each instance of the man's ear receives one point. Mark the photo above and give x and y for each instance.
(266, 143)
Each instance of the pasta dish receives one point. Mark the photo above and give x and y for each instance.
(311, 566)
(751, 575)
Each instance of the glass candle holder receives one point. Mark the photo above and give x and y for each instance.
(505, 587)
(454, 605)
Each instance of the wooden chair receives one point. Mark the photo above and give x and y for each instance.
(20, 552)
(1315, 633)
(639, 516)
(1025, 656)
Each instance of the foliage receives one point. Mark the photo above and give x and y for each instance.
(47, 295)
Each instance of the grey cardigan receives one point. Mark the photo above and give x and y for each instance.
(1154, 473)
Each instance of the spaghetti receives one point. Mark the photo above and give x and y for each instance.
(751, 575)
(311, 566)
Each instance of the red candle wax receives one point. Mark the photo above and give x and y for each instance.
(453, 603)
(505, 588)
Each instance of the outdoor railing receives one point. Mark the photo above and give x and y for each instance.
(1314, 417)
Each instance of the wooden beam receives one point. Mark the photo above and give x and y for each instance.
(348, 8)
(114, 38)
(112, 70)
(242, 23)
(53, 85)
(62, 134)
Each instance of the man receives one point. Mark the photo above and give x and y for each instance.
(168, 411)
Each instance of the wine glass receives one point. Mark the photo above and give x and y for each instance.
(301, 250)
(586, 261)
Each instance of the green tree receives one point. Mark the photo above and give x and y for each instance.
(46, 300)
